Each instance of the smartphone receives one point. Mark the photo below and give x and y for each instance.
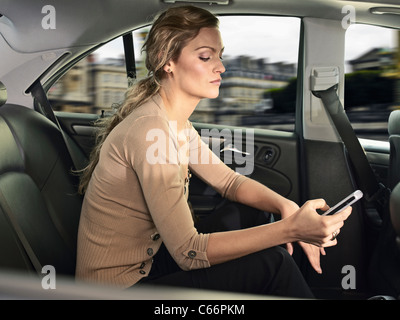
(348, 201)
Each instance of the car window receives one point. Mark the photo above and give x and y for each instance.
(258, 87)
(260, 59)
(94, 84)
(371, 79)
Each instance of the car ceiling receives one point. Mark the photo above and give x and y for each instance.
(29, 50)
(91, 22)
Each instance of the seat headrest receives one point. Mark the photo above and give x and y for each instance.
(394, 122)
(3, 94)
(395, 208)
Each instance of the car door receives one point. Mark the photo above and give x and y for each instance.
(270, 158)
(234, 124)
(329, 172)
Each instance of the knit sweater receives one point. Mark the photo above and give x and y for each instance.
(137, 198)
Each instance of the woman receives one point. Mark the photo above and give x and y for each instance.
(136, 225)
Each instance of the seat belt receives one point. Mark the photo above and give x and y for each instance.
(129, 58)
(21, 236)
(374, 191)
(38, 93)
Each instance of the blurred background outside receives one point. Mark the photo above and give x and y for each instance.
(259, 86)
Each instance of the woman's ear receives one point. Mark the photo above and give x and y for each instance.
(168, 67)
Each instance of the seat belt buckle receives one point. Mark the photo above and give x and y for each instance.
(380, 196)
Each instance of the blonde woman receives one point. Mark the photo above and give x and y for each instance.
(136, 225)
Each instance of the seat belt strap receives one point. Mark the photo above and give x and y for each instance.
(21, 236)
(39, 94)
(129, 58)
(366, 177)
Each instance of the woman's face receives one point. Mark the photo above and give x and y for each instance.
(197, 72)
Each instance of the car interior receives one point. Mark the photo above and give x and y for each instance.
(42, 150)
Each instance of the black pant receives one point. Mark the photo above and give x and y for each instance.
(270, 272)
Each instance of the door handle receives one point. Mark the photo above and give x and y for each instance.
(232, 148)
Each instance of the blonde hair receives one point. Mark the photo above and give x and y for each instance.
(169, 34)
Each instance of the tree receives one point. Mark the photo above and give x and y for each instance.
(284, 98)
(367, 87)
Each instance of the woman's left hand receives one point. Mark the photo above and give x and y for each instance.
(312, 252)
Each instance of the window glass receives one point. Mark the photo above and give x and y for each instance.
(258, 87)
(372, 79)
(98, 82)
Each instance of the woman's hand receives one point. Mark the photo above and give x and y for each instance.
(312, 252)
(315, 231)
(313, 228)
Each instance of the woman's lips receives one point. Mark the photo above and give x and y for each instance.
(216, 82)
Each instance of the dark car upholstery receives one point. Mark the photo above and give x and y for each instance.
(395, 211)
(39, 203)
(394, 140)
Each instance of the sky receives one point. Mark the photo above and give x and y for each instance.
(276, 39)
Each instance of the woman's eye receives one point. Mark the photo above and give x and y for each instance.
(204, 59)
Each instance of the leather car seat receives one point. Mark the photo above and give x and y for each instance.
(395, 211)
(39, 203)
(3, 94)
(394, 140)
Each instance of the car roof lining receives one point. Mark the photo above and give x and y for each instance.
(101, 20)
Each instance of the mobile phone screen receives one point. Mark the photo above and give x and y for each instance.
(348, 201)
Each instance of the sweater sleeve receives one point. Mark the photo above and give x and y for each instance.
(208, 167)
(156, 165)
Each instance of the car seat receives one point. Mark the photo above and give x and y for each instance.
(394, 140)
(39, 203)
(395, 211)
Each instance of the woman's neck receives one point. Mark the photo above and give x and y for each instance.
(178, 106)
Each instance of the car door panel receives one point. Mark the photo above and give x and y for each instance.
(275, 155)
(272, 157)
(378, 157)
(80, 127)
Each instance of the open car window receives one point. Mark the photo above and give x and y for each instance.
(94, 84)
(371, 79)
(258, 87)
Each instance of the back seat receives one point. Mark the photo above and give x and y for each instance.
(38, 194)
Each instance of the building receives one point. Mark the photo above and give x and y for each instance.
(109, 83)
(242, 89)
(91, 86)
(375, 59)
(72, 91)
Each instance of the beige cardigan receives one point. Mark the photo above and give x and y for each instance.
(137, 198)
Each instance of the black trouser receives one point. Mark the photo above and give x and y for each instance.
(270, 272)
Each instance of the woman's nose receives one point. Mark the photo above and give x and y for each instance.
(220, 68)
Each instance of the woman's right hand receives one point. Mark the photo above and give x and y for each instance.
(310, 227)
